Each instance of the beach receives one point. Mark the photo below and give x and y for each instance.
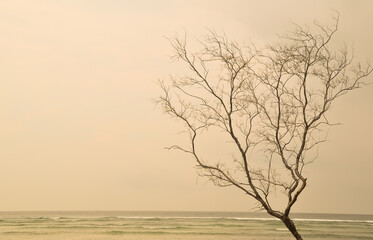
(178, 226)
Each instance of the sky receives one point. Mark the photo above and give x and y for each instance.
(79, 129)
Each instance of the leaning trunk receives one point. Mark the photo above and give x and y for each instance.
(291, 226)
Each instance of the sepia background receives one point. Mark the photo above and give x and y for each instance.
(79, 130)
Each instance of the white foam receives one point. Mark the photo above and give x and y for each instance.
(332, 220)
(281, 229)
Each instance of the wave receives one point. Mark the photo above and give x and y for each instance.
(246, 219)
(118, 232)
(332, 220)
(164, 218)
(25, 233)
(281, 229)
(163, 227)
(337, 236)
(203, 218)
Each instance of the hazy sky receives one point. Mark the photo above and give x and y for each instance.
(78, 129)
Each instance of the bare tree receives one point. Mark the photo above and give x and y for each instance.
(273, 101)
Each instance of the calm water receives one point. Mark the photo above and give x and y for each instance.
(177, 226)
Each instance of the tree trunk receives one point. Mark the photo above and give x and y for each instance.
(291, 226)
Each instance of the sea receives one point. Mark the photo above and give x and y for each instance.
(146, 225)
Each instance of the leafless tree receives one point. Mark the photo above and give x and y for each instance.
(274, 101)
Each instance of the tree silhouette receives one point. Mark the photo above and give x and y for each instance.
(271, 101)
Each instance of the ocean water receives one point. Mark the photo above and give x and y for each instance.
(178, 226)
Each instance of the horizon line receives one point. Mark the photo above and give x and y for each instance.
(176, 211)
